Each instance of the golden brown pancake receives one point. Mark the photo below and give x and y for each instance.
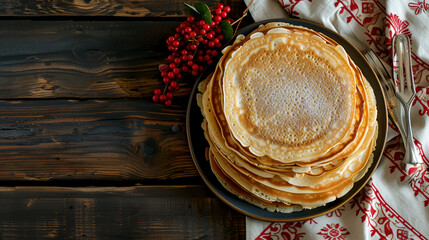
(281, 157)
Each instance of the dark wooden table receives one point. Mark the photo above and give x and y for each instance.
(84, 152)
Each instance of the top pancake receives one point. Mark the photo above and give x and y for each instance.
(288, 95)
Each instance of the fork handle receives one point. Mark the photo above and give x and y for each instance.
(411, 156)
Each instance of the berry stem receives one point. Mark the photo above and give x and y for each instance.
(239, 20)
(165, 88)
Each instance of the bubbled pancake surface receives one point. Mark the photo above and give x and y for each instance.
(276, 105)
(305, 181)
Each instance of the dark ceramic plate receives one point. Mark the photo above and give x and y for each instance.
(197, 142)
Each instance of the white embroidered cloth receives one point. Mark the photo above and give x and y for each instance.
(395, 202)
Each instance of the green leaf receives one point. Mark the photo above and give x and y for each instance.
(191, 10)
(204, 11)
(226, 29)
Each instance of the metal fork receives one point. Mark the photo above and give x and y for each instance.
(406, 91)
(394, 108)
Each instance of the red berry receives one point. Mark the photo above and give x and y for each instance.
(200, 52)
(170, 39)
(176, 43)
(179, 76)
(177, 35)
(207, 57)
(220, 6)
(200, 68)
(218, 11)
(215, 40)
(211, 44)
(224, 14)
(173, 84)
(227, 9)
(190, 63)
(155, 98)
(221, 37)
(177, 61)
(195, 67)
(177, 88)
(171, 75)
(192, 34)
(164, 74)
(178, 29)
(214, 53)
(166, 80)
(205, 41)
(210, 62)
(200, 58)
(176, 71)
(192, 18)
(217, 18)
(186, 36)
(201, 22)
(218, 30)
(171, 89)
(194, 73)
(169, 95)
(193, 46)
(210, 35)
(218, 45)
(157, 91)
(190, 57)
(185, 68)
(172, 65)
(200, 39)
(188, 29)
(170, 58)
(184, 58)
(184, 52)
(206, 27)
(202, 31)
(213, 24)
(230, 20)
(167, 102)
(162, 97)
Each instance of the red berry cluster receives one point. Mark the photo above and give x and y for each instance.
(192, 47)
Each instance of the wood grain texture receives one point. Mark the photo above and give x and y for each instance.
(125, 8)
(145, 212)
(83, 59)
(93, 139)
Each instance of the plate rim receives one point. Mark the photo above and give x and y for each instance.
(367, 175)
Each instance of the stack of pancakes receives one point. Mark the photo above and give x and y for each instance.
(289, 118)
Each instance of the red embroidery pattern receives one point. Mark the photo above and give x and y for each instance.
(333, 231)
(419, 6)
(368, 7)
(351, 8)
(372, 21)
(396, 26)
(422, 98)
(382, 219)
(289, 6)
(287, 230)
(337, 212)
(417, 176)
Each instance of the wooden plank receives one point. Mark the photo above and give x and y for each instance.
(82, 59)
(124, 8)
(143, 212)
(93, 139)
